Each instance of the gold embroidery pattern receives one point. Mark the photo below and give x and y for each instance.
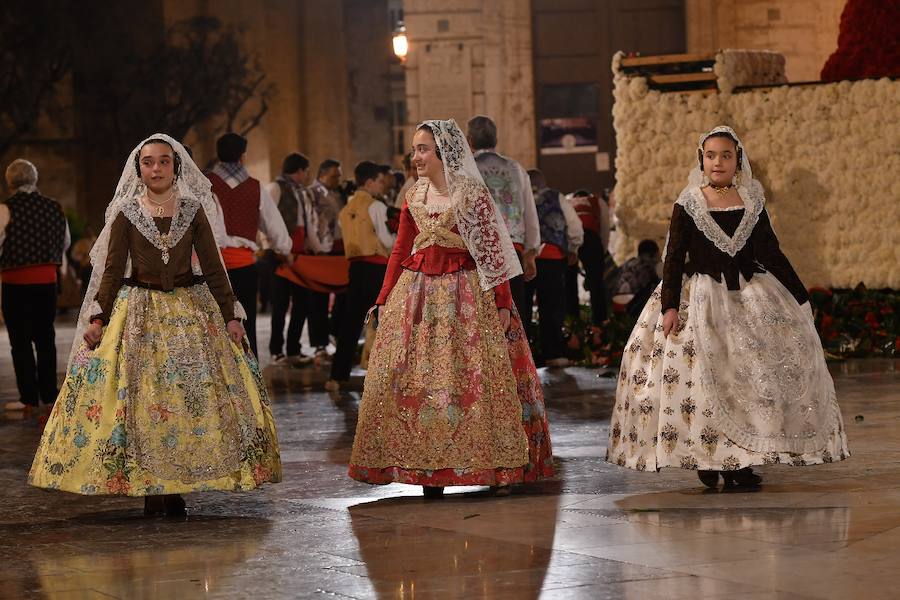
(166, 404)
(440, 390)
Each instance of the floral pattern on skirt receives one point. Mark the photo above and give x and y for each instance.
(447, 399)
(662, 418)
(166, 404)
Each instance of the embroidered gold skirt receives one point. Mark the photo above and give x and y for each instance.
(166, 404)
(440, 404)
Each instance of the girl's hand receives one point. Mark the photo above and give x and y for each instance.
(504, 315)
(235, 331)
(93, 334)
(669, 320)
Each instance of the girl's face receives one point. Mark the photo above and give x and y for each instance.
(720, 160)
(157, 167)
(424, 157)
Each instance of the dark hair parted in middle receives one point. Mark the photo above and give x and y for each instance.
(175, 158)
(437, 149)
(365, 171)
(727, 136)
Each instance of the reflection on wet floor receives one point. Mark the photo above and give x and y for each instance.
(598, 532)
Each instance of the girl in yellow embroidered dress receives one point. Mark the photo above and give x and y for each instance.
(160, 398)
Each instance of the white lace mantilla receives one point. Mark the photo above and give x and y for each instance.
(694, 203)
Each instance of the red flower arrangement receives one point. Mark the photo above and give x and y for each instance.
(868, 42)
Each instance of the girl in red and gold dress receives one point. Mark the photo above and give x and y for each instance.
(452, 396)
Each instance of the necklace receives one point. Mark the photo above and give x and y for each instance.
(721, 190)
(439, 191)
(159, 205)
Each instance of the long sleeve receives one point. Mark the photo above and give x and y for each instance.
(274, 191)
(4, 221)
(313, 244)
(676, 251)
(114, 272)
(574, 228)
(767, 252)
(378, 216)
(532, 225)
(604, 224)
(67, 239)
(503, 296)
(208, 253)
(272, 224)
(406, 235)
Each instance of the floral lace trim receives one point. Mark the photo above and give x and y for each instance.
(695, 205)
(184, 214)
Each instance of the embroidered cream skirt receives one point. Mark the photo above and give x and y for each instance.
(166, 404)
(741, 380)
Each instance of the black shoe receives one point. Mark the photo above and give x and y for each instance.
(154, 505)
(432, 493)
(709, 478)
(741, 478)
(175, 506)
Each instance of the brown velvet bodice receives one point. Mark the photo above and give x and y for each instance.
(148, 269)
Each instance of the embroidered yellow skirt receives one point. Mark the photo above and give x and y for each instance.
(166, 404)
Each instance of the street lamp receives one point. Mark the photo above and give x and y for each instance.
(401, 43)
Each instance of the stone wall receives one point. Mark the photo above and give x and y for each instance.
(470, 57)
(835, 211)
(804, 31)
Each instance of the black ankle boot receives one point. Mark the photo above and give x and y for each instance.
(154, 505)
(175, 506)
(709, 478)
(742, 478)
(432, 492)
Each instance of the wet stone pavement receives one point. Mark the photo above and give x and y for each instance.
(598, 532)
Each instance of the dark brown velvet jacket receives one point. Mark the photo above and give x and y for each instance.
(148, 269)
(689, 252)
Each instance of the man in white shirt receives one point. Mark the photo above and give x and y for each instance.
(291, 196)
(244, 208)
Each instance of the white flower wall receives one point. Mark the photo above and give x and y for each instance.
(828, 156)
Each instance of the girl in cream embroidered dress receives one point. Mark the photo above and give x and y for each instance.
(451, 396)
(737, 375)
(167, 402)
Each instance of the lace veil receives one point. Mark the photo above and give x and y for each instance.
(194, 192)
(480, 225)
(750, 190)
